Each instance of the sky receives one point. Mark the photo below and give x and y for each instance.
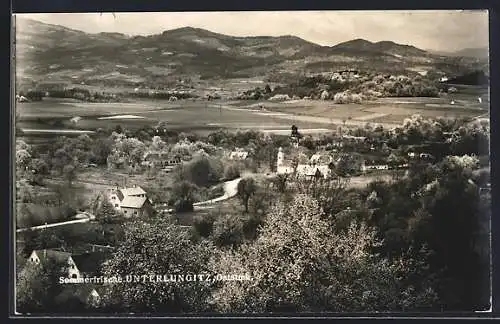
(429, 30)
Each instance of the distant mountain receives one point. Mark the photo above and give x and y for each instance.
(386, 47)
(50, 52)
(476, 52)
(355, 45)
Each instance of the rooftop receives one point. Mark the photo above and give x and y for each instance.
(309, 170)
(132, 191)
(57, 256)
(156, 155)
(90, 263)
(133, 202)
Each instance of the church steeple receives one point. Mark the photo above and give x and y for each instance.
(281, 157)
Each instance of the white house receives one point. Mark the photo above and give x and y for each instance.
(79, 266)
(312, 171)
(130, 201)
(238, 155)
(21, 98)
(160, 159)
(354, 138)
(373, 166)
(319, 158)
(63, 258)
(309, 170)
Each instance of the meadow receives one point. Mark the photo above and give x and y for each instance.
(384, 110)
(183, 116)
(203, 117)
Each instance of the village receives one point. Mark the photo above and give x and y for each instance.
(300, 159)
(302, 169)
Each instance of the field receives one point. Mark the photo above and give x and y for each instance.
(384, 111)
(184, 116)
(93, 180)
(202, 117)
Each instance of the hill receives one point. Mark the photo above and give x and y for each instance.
(382, 47)
(477, 78)
(54, 53)
(480, 53)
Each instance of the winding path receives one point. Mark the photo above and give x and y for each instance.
(76, 221)
(230, 190)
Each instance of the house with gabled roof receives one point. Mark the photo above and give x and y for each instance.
(42, 257)
(238, 154)
(79, 265)
(321, 158)
(80, 268)
(130, 201)
(311, 170)
(368, 165)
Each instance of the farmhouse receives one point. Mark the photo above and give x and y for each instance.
(160, 159)
(354, 138)
(319, 158)
(78, 265)
(372, 165)
(21, 98)
(310, 170)
(130, 201)
(238, 154)
(422, 156)
(43, 257)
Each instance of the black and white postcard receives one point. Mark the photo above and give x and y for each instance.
(292, 162)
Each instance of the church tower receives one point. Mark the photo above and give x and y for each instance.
(281, 158)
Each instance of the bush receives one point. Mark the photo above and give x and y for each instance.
(203, 224)
(182, 205)
(201, 171)
(231, 172)
(228, 230)
(182, 196)
(346, 98)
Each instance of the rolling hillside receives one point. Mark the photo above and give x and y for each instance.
(54, 53)
(480, 53)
